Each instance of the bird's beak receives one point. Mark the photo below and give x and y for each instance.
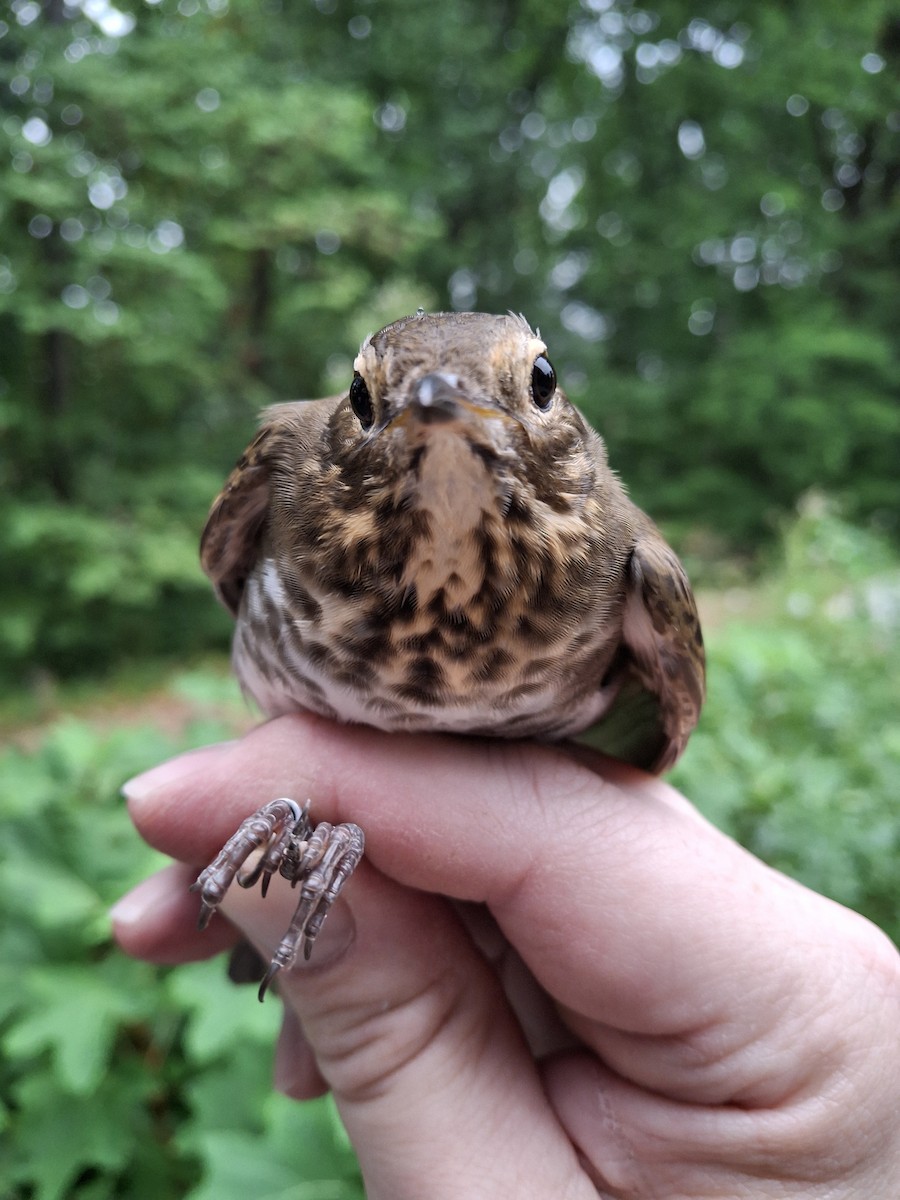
(437, 399)
(440, 398)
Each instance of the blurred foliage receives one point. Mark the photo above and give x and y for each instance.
(798, 752)
(207, 203)
(120, 1079)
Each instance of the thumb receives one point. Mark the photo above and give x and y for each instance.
(410, 1030)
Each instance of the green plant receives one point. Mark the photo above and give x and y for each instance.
(798, 752)
(118, 1078)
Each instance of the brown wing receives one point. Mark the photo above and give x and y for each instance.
(230, 540)
(661, 633)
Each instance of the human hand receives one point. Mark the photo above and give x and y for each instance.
(733, 1034)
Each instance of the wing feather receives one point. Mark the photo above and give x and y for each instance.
(661, 631)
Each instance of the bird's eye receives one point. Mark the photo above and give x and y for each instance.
(361, 401)
(543, 382)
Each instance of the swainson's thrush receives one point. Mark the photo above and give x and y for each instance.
(443, 547)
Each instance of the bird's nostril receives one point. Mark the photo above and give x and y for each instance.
(436, 398)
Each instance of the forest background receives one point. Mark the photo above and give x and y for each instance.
(204, 206)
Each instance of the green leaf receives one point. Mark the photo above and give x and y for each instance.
(75, 1014)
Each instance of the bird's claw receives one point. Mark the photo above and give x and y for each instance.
(317, 859)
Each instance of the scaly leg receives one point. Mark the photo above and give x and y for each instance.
(320, 860)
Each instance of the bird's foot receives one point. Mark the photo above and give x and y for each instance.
(317, 859)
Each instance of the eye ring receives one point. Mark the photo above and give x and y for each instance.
(543, 382)
(361, 401)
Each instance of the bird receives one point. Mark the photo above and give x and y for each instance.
(442, 547)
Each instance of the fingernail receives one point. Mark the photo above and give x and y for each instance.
(152, 895)
(260, 921)
(170, 772)
(333, 940)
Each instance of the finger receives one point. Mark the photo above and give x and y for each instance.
(157, 920)
(637, 1143)
(634, 1143)
(618, 897)
(653, 930)
(411, 1032)
(296, 1072)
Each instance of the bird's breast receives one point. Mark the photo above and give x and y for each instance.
(454, 494)
(463, 643)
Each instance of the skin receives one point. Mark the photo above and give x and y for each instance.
(720, 1031)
